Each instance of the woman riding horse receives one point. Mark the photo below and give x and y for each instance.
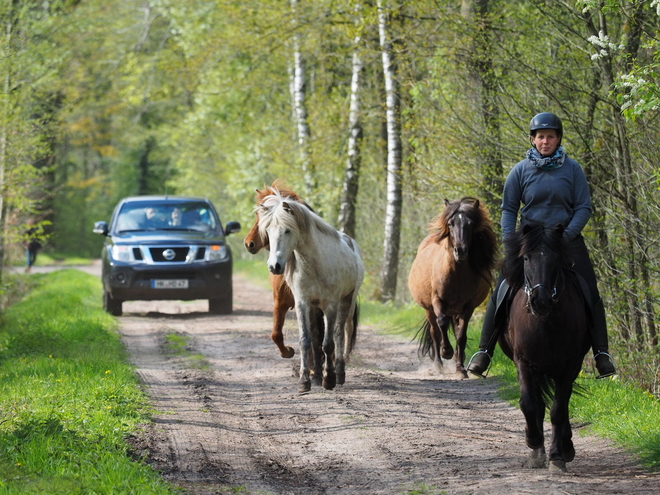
(553, 190)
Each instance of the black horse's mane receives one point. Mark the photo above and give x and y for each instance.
(526, 239)
(483, 251)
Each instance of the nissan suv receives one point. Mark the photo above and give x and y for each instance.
(166, 247)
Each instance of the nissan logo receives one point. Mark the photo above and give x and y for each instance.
(169, 254)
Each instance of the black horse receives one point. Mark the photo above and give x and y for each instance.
(547, 336)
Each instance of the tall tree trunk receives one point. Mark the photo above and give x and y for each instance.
(353, 161)
(4, 132)
(300, 109)
(390, 263)
(480, 64)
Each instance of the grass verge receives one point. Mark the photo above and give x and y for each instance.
(67, 397)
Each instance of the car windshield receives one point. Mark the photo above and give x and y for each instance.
(143, 215)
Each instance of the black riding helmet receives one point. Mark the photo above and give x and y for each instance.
(545, 120)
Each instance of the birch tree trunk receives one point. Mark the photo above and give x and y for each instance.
(350, 186)
(390, 263)
(300, 108)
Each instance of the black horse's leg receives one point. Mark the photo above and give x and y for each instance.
(533, 408)
(460, 330)
(561, 444)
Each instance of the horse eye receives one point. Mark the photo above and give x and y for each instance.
(287, 231)
(526, 259)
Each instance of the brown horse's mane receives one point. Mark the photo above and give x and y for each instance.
(527, 238)
(277, 185)
(483, 251)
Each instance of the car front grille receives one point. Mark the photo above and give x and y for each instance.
(178, 254)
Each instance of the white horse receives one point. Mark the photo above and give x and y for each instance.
(324, 270)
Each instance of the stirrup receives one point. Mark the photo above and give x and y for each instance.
(607, 374)
(483, 373)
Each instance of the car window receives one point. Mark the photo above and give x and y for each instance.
(166, 216)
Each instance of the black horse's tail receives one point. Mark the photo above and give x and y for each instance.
(423, 334)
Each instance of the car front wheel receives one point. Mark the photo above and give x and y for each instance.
(221, 306)
(110, 305)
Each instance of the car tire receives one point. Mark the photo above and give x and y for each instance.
(110, 305)
(221, 306)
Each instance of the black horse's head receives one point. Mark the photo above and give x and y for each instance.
(533, 262)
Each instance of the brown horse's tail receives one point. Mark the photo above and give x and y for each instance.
(425, 340)
(353, 337)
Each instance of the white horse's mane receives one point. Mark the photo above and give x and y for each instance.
(290, 214)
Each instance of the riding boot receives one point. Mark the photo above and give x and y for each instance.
(604, 362)
(480, 361)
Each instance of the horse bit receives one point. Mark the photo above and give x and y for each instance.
(530, 290)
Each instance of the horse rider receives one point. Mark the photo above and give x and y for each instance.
(553, 190)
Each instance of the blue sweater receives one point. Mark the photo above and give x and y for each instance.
(548, 197)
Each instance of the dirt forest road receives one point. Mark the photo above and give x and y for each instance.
(395, 427)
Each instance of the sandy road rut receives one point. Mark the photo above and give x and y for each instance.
(395, 427)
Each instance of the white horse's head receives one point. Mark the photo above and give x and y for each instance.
(280, 219)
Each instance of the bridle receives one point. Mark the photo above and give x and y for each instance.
(556, 291)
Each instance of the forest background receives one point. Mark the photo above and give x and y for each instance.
(374, 111)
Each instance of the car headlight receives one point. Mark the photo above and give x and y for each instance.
(216, 252)
(122, 253)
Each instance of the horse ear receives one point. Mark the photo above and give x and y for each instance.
(476, 204)
(286, 206)
(446, 201)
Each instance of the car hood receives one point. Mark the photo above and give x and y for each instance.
(168, 237)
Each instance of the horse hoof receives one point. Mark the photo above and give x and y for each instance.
(304, 387)
(288, 353)
(329, 382)
(557, 467)
(341, 378)
(316, 379)
(461, 374)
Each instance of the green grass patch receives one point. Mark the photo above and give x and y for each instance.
(68, 399)
(179, 345)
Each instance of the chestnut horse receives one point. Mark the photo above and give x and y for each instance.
(451, 275)
(547, 336)
(324, 270)
(283, 299)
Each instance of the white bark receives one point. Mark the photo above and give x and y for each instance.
(352, 171)
(300, 109)
(390, 264)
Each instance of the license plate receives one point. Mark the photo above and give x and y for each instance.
(169, 284)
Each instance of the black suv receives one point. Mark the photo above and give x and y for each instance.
(166, 247)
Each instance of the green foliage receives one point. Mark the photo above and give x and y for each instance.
(69, 400)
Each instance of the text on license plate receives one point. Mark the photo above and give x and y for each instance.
(169, 284)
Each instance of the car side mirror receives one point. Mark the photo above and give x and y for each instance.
(232, 227)
(100, 228)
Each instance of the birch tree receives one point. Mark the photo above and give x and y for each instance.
(352, 172)
(300, 106)
(390, 262)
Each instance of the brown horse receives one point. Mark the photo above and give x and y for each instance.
(283, 299)
(547, 336)
(451, 275)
